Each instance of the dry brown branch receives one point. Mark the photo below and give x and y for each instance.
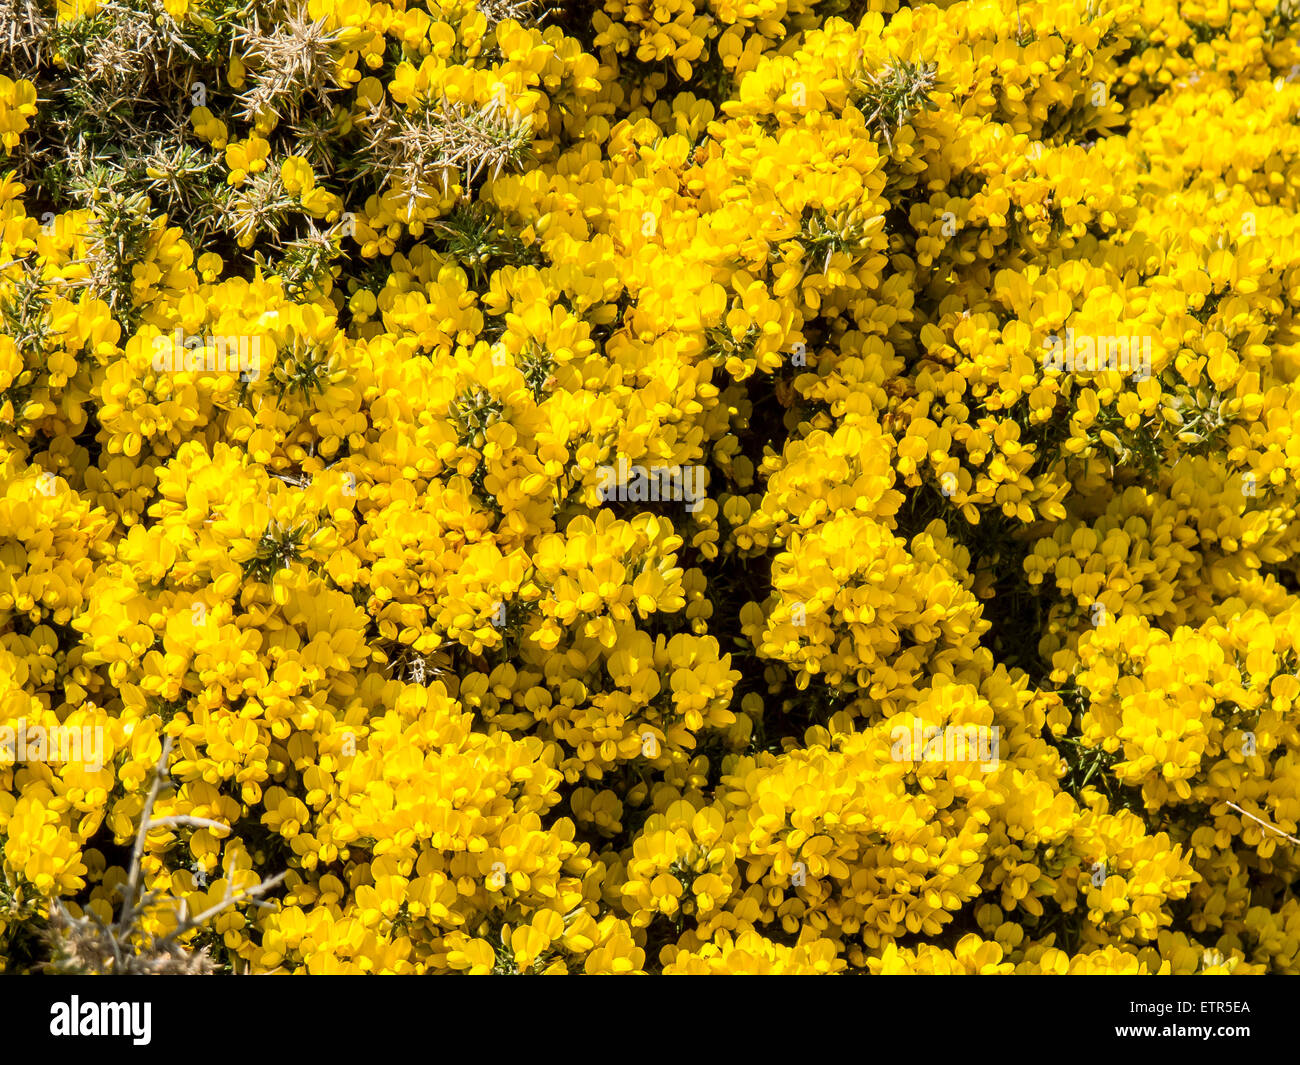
(88, 944)
(1261, 821)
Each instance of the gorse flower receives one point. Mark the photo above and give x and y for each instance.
(324, 326)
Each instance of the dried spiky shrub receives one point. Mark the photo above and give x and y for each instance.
(89, 945)
(25, 27)
(124, 49)
(525, 12)
(316, 134)
(443, 140)
(292, 57)
(116, 107)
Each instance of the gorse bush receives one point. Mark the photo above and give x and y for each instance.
(981, 651)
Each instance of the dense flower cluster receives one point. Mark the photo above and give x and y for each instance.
(323, 323)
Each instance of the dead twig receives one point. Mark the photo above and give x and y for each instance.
(90, 944)
(1261, 821)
